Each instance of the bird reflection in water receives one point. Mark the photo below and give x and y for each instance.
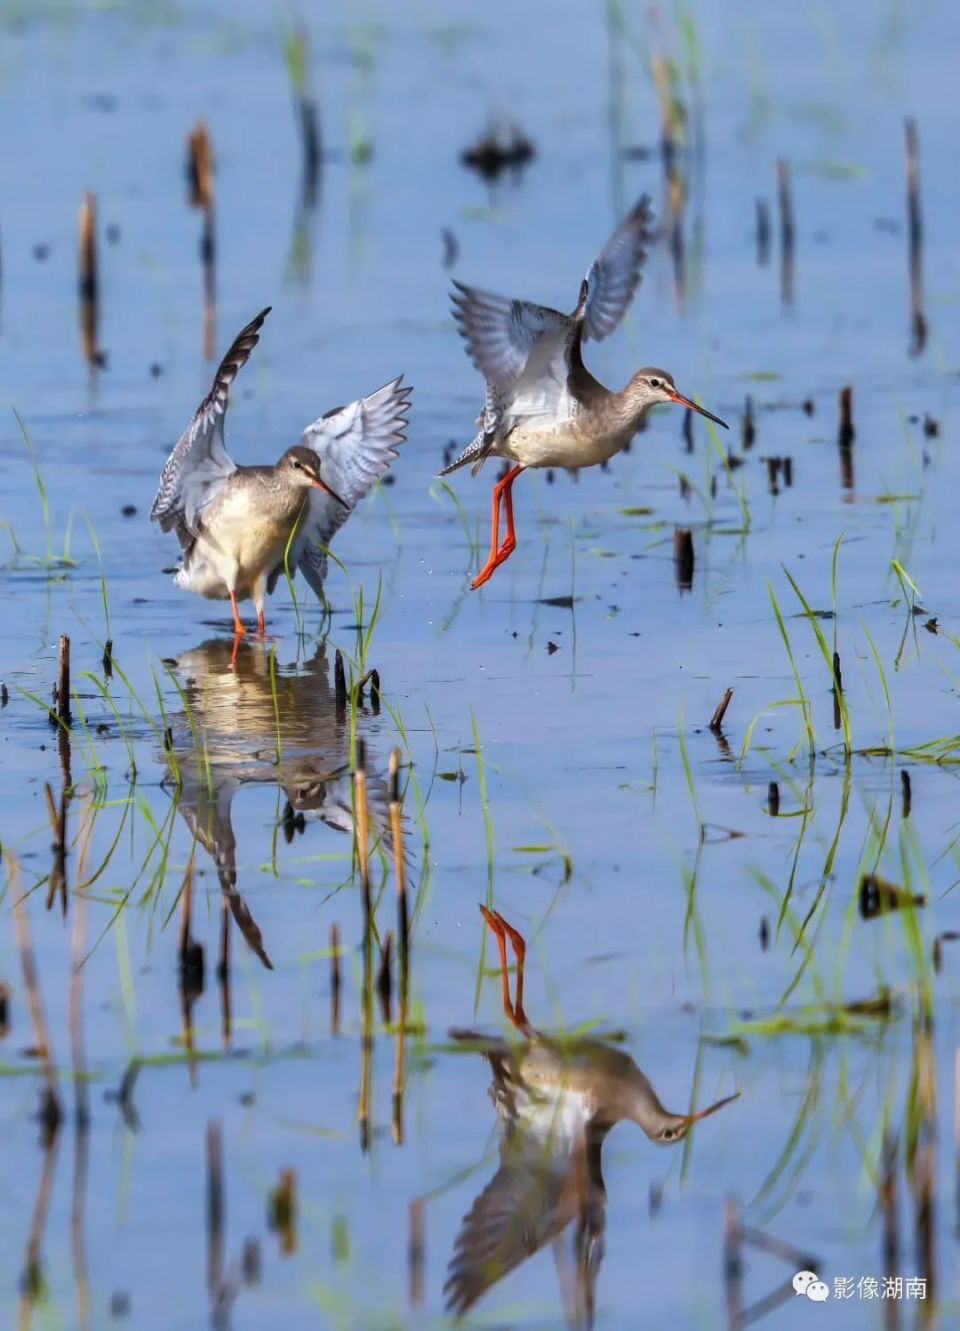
(556, 1100)
(246, 721)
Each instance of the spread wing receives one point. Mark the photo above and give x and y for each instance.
(524, 350)
(523, 1207)
(501, 333)
(614, 275)
(356, 445)
(200, 463)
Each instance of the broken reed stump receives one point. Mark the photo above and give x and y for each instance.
(416, 1249)
(282, 1211)
(749, 427)
(845, 437)
(200, 178)
(918, 322)
(385, 979)
(400, 869)
(51, 1111)
(683, 558)
(335, 980)
(340, 684)
(716, 721)
(215, 1207)
(906, 792)
(89, 283)
(297, 51)
(362, 825)
(763, 233)
(62, 690)
(837, 691)
(57, 885)
(787, 231)
(773, 799)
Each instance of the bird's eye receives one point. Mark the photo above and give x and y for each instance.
(656, 383)
(296, 465)
(668, 1134)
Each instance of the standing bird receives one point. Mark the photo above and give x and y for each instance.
(238, 527)
(543, 406)
(556, 1101)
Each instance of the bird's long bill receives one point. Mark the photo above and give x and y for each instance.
(705, 1113)
(685, 402)
(322, 485)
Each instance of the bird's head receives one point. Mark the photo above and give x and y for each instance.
(650, 386)
(300, 467)
(667, 1129)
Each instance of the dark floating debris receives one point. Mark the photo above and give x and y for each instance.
(4, 695)
(41, 251)
(128, 511)
(119, 1305)
(932, 625)
(764, 933)
(931, 427)
(683, 558)
(773, 799)
(878, 897)
(552, 647)
(907, 792)
(808, 406)
(503, 146)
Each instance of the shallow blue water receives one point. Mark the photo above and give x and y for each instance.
(581, 747)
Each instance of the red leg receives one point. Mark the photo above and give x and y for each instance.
(261, 623)
(520, 952)
(501, 491)
(493, 920)
(500, 930)
(238, 627)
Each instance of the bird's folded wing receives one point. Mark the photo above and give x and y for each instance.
(200, 463)
(501, 333)
(614, 275)
(356, 445)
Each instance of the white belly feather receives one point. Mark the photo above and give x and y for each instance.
(236, 550)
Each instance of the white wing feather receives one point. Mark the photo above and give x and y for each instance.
(356, 445)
